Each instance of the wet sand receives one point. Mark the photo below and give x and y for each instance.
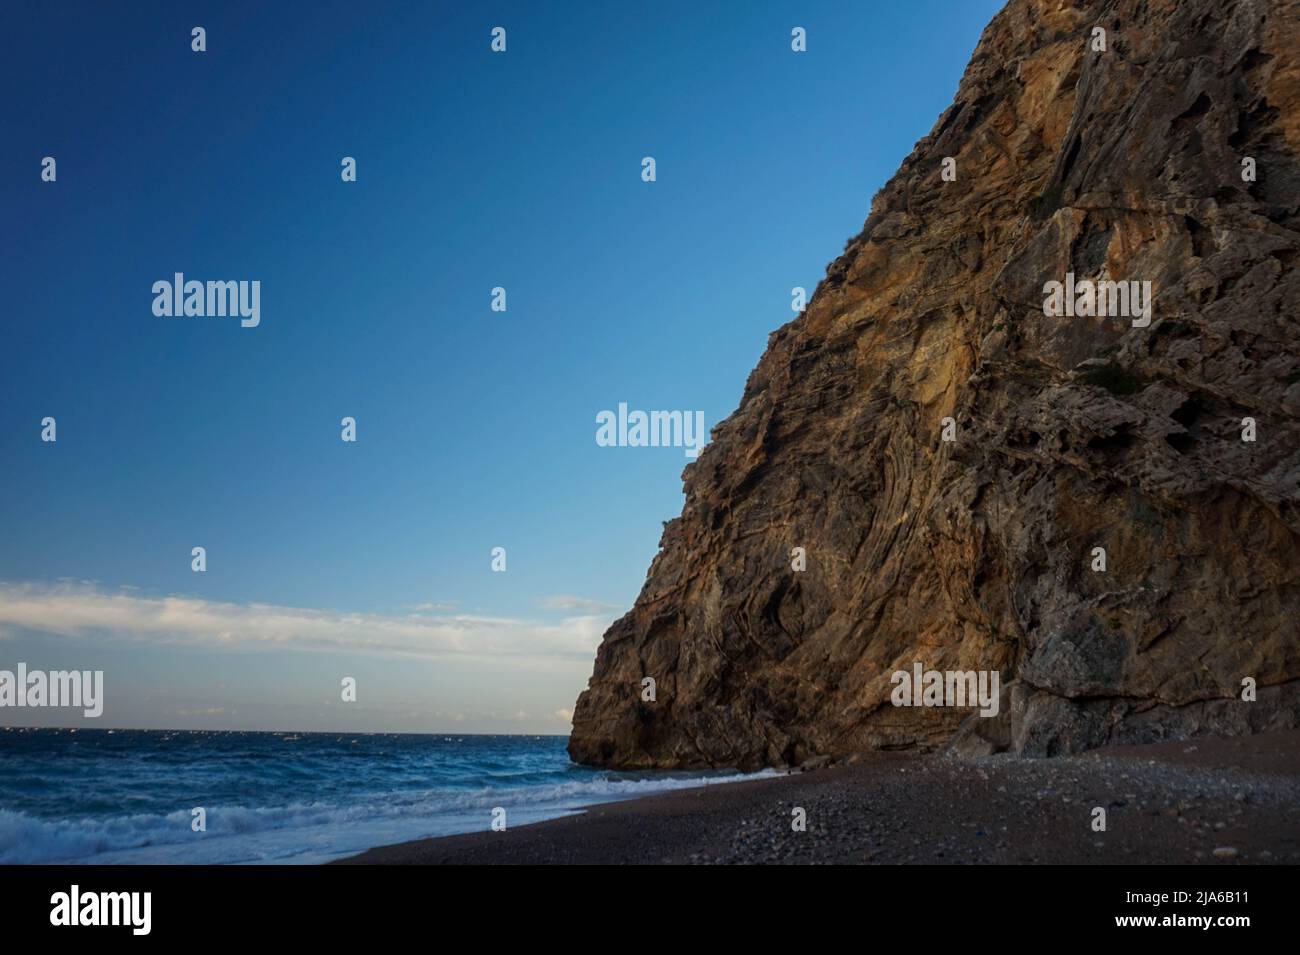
(1203, 801)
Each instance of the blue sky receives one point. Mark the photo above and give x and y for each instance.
(475, 428)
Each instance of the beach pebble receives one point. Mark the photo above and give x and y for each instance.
(1226, 852)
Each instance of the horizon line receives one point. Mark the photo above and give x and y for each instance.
(135, 729)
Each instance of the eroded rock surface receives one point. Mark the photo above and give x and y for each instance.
(1071, 432)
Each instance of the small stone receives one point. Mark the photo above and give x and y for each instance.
(1226, 852)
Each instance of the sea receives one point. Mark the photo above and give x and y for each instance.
(128, 796)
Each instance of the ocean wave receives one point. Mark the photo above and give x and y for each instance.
(28, 839)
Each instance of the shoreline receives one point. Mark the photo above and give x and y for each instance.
(1172, 802)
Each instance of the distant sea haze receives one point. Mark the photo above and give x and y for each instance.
(128, 796)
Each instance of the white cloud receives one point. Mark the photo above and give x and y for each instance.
(89, 611)
(440, 606)
(567, 602)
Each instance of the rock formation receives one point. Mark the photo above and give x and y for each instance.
(1070, 433)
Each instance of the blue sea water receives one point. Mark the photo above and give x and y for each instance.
(126, 796)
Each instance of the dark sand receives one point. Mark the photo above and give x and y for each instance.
(1173, 803)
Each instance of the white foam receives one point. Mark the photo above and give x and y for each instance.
(310, 832)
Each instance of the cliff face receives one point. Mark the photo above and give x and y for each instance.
(1070, 432)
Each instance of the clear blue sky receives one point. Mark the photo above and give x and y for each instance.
(475, 429)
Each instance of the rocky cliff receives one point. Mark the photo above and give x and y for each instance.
(1067, 433)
